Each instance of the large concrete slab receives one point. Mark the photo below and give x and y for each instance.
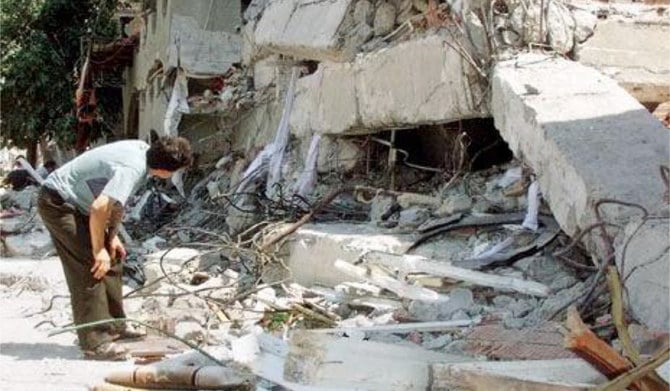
(586, 138)
(421, 81)
(631, 53)
(304, 29)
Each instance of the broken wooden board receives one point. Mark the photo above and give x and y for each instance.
(419, 264)
(324, 360)
(587, 345)
(548, 375)
(544, 342)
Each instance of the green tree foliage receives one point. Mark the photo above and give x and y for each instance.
(41, 50)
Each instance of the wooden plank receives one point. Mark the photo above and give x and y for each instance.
(545, 375)
(419, 264)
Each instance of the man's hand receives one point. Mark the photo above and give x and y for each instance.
(101, 264)
(117, 251)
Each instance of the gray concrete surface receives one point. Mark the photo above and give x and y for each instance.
(633, 54)
(585, 137)
(388, 89)
(303, 29)
(646, 269)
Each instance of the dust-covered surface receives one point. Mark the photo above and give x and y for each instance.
(29, 359)
(356, 222)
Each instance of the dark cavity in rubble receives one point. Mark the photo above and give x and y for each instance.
(439, 146)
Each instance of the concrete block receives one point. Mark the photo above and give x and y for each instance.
(315, 247)
(416, 82)
(384, 19)
(339, 155)
(265, 72)
(632, 54)
(387, 89)
(647, 265)
(304, 29)
(584, 136)
(202, 50)
(326, 101)
(190, 330)
(34, 244)
(428, 311)
(172, 261)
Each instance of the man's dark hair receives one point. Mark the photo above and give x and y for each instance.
(169, 153)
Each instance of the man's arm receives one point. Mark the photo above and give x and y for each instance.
(100, 213)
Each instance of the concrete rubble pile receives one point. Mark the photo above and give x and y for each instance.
(418, 195)
(22, 233)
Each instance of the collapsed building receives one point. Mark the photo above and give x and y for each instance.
(419, 137)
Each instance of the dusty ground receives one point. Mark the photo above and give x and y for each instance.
(29, 360)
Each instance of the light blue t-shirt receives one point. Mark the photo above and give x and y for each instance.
(116, 170)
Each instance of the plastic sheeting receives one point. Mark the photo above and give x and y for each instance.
(270, 159)
(281, 138)
(307, 179)
(530, 222)
(177, 106)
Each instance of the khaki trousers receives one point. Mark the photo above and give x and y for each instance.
(91, 299)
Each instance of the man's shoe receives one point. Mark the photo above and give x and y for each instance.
(108, 351)
(128, 332)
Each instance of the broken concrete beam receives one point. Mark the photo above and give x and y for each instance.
(398, 287)
(305, 29)
(420, 81)
(586, 138)
(328, 361)
(313, 248)
(631, 54)
(404, 328)
(418, 264)
(417, 82)
(547, 375)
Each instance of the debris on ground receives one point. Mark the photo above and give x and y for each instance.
(348, 244)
